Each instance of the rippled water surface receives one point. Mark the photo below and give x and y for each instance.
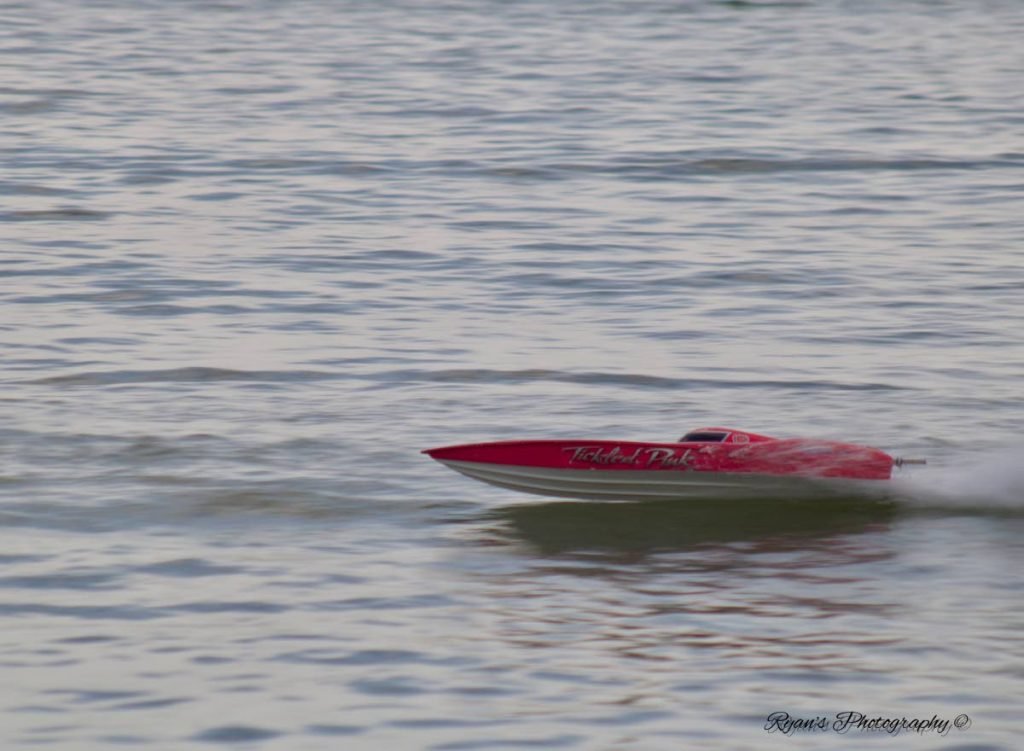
(255, 256)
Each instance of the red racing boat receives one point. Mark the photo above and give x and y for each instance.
(709, 462)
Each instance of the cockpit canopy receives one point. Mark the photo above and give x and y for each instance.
(704, 436)
(723, 435)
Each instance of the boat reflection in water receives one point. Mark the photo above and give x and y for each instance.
(664, 526)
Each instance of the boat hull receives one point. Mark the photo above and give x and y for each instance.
(654, 485)
(735, 464)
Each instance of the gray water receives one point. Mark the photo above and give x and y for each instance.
(255, 256)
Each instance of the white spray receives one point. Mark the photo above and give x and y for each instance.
(992, 480)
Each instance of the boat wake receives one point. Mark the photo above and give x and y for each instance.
(995, 482)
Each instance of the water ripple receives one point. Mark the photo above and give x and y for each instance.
(481, 375)
(179, 375)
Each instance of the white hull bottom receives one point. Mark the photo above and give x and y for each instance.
(654, 485)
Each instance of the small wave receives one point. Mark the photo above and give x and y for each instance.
(236, 734)
(187, 568)
(758, 4)
(310, 166)
(30, 189)
(455, 375)
(480, 375)
(56, 215)
(642, 166)
(180, 375)
(740, 165)
(673, 166)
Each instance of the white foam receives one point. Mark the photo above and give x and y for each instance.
(991, 480)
